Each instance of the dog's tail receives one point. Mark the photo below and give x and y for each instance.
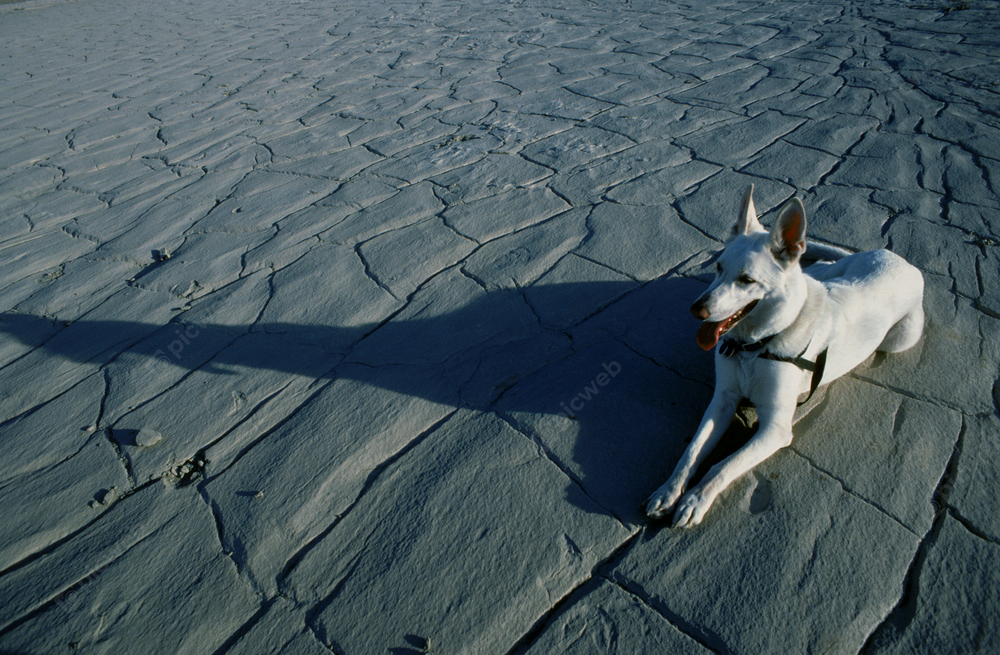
(821, 252)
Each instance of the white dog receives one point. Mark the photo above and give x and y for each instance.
(786, 332)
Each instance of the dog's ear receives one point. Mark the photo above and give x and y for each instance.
(788, 234)
(746, 220)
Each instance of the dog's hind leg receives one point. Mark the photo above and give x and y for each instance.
(905, 333)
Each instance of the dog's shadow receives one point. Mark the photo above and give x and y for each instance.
(605, 376)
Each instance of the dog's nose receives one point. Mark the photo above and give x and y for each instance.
(699, 310)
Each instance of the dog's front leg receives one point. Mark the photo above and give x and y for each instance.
(717, 418)
(775, 432)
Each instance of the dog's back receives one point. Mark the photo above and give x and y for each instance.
(821, 252)
(878, 302)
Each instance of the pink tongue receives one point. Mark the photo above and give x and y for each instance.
(708, 334)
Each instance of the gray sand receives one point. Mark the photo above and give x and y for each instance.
(362, 327)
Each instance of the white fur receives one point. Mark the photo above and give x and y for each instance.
(862, 303)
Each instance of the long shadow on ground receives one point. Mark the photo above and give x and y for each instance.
(605, 376)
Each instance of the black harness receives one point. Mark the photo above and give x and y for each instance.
(730, 347)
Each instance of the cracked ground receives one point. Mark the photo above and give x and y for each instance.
(362, 327)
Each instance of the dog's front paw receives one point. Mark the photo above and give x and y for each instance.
(692, 508)
(663, 500)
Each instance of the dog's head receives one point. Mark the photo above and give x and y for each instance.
(754, 264)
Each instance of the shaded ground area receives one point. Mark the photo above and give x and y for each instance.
(362, 327)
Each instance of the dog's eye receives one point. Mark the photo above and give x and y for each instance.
(746, 279)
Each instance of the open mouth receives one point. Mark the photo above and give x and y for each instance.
(710, 331)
